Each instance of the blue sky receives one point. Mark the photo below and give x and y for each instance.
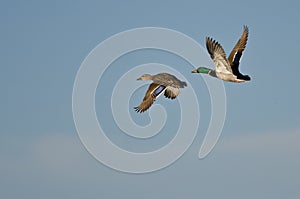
(43, 44)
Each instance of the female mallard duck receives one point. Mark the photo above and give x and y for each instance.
(162, 82)
(227, 69)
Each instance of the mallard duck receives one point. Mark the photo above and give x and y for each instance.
(227, 69)
(162, 82)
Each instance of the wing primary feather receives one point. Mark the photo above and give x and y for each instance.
(237, 51)
(154, 90)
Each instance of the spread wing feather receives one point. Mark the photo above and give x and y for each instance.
(218, 56)
(154, 90)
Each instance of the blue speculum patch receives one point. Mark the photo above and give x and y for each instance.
(159, 90)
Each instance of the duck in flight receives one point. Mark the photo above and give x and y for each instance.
(227, 69)
(162, 83)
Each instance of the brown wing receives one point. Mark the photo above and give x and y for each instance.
(171, 92)
(236, 53)
(153, 91)
(218, 55)
(167, 79)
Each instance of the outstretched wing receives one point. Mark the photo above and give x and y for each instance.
(237, 52)
(171, 92)
(218, 55)
(154, 90)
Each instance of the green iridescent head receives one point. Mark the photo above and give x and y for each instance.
(201, 70)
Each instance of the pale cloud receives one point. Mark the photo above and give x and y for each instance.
(51, 157)
(64, 155)
(280, 142)
(59, 161)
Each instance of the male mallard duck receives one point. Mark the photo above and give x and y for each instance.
(162, 82)
(227, 69)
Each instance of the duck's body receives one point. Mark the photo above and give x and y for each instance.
(227, 69)
(162, 82)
